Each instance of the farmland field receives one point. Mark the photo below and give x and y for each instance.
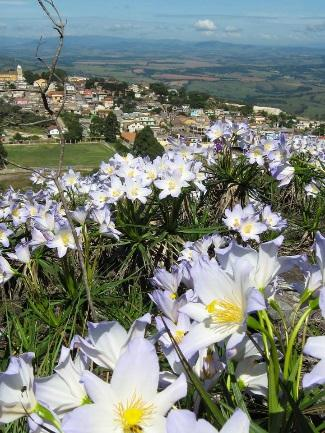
(87, 155)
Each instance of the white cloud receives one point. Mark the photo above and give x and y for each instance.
(232, 31)
(205, 26)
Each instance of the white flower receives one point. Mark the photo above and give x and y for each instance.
(4, 235)
(250, 228)
(6, 271)
(62, 391)
(252, 375)
(266, 264)
(224, 303)
(234, 217)
(100, 198)
(115, 190)
(71, 179)
(130, 403)
(16, 389)
(184, 421)
(135, 191)
(106, 341)
(312, 189)
(255, 154)
(171, 184)
(273, 220)
(62, 240)
(22, 253)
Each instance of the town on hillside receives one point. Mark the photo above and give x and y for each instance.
(88, 101)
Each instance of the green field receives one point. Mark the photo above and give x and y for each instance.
(82, 156)
(86, 155)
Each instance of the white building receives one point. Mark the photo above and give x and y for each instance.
(135, 127)
(268, 110)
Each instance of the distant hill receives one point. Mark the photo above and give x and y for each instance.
(291, 78)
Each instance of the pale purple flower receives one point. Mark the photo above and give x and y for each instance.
(4, 235)
(22, 253)
(273, 220)
(315, 347)
(6, 271)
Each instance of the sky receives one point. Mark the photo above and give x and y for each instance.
(259, 22)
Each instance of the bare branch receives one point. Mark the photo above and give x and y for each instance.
(54, 16)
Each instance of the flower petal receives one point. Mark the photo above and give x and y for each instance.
(168, 397)
(137, 371)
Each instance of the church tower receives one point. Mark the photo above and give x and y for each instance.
(20, 75)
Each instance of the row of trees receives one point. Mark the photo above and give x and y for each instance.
(31, 76)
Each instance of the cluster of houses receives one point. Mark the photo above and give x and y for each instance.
(163, 118)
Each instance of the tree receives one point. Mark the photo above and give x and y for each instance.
(3, 154)
(146, 144)
(320, 130)
(30, 76)
(111, 127)
(60, 75)
(97, 126)
(72, 123)
(198, 99)
(247, 110)
(18, 138)
(129, 106)
(159, 89)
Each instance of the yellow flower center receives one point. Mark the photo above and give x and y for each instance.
(135, 191)
(71, 180)
(15, 212)
(171, 184)
(151, 175)
(65, 239)
(134, 415)
(109, 170)
(179, 335)
(247, 228)
(173, 296)
(217, 133)
(116, 193)
(224, 312)
(236, 222)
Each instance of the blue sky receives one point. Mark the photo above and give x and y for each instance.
(272, 22)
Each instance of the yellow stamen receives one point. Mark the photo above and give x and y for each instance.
(173, 296)
(65, 239)
(224, 312)
(134, 415)
(179, 335)
(15, 212)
